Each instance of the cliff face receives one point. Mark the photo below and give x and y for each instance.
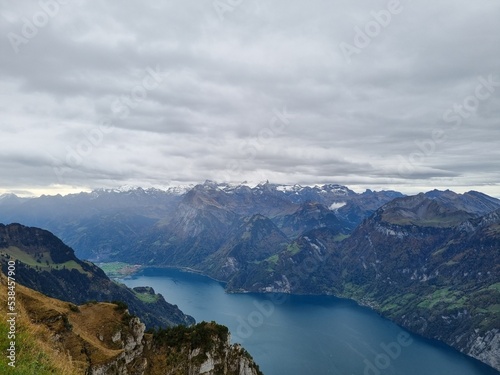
(459, 331)
(130, 338)
(485, 347)
(104, 339)
(201, 349)
(231, 360)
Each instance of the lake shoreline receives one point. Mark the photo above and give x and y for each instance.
(361, 303)
(308, 328)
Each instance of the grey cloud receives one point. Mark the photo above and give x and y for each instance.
(225, 79)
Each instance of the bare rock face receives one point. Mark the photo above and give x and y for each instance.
(486, 348)
(131, 360)
(242, 365)
(230, 359)
(144, 354)
(203, 349)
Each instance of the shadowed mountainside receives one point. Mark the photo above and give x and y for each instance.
(46, 264)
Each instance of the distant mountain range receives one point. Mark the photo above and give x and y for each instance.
(102, 225)
(430, 262)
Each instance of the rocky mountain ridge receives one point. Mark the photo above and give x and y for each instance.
(102, 225)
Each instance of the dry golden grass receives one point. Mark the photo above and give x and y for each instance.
(66, 338)
(35, 351)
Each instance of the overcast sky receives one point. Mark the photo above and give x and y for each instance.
(370, 94)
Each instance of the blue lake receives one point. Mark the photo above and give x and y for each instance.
(316, 335)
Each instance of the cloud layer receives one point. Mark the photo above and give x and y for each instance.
(379, 94)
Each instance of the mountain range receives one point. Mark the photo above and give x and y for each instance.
(430, 262)
(102, 225)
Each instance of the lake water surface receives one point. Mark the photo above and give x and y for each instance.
(308, 335)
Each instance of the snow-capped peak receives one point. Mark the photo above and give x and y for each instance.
(289, 188)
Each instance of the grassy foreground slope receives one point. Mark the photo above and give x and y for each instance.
(34, 353)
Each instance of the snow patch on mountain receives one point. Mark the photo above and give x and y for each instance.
(336, 205)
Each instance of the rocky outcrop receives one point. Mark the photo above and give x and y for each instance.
(204, 349)
(131, 361)
(486, 347)
(230, 359)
